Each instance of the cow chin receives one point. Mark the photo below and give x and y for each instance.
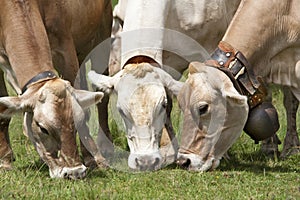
(194, 162)
(145, 161)
(78, 172)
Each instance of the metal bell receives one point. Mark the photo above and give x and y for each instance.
(262, 122)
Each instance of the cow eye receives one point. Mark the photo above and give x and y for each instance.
(42, 129)
(203, 109)
(164, 103)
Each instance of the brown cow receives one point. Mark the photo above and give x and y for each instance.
(35, 37)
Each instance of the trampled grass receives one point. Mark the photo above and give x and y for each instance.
(247, 175)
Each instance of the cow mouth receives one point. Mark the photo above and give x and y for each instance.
(73, 173)
(184, 163)
(193, 162)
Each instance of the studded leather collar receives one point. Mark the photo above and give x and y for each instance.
(236, 66)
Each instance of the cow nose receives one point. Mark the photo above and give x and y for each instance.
(147, 163)
(183, 162)
(78, 172)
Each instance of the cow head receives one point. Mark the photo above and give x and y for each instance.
(52, 110)
(214, 117)
(142, 100)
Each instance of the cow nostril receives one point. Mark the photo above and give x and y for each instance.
(137, 162)
(187, 163)
(65, 175)
(156, 162)
(147, 163)
(184, 162)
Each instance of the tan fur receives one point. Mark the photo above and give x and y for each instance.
(138, 70)
(49, 35)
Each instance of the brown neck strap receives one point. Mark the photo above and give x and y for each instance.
(42, 76)
(236, 66)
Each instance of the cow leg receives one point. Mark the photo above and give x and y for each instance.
(6, 153)
(291, 143)
(169, 144)
(105, 140)
(269, 146)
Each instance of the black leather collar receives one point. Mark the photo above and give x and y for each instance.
(44, 75)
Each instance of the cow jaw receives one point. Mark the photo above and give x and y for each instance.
(214, 116)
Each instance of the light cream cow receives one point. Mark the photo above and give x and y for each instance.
(267, 34)
(159, 35)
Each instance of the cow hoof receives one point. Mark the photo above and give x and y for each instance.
(271, 153)
(4, 165)
(90, 163)
(101, 162)
(270, 150)
(289, 152)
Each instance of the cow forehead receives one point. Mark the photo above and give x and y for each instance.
(131, 86)
(200, 88)
(142, 96)
(208, 82)
(54, 102)
(142, 102)
(58, 87)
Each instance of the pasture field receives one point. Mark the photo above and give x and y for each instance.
(247, 175)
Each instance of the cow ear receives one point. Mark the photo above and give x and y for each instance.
(104, 83)
(87, 98)
(184, 96)
(236, 99)
(174, 87)
(11, 105)
(233, 97)
(169, 82)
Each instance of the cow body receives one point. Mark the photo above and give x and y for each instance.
(267, 34)
(161, 34)
(279, 51)
(202, 21)
(37, 37)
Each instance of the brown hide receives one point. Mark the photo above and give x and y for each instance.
(52, 35)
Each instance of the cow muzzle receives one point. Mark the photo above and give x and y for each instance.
(145, 162)
(194, 162)
(78, 172)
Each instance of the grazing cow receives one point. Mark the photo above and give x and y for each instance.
(265, 34)
(159, 35)
(35, 37)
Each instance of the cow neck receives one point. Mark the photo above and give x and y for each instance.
(25, 41)
(47, 75)
(234, 64)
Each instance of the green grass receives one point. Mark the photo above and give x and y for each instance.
(247, 175)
